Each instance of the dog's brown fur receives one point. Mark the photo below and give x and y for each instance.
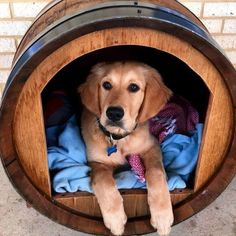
(138, 108)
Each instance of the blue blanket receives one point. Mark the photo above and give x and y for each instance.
(67, 160)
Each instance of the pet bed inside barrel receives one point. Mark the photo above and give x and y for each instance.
(58, 53)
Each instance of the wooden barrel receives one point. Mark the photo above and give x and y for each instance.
(70, 36)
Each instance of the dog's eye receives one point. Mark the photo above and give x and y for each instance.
(133, 88)
(106, 85)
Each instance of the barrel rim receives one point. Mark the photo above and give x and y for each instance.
(57, 2)
(111, 4)
(71, 21)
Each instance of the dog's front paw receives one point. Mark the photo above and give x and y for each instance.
(115, 221)
(162, 221)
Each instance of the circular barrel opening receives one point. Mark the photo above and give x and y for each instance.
(177, 75)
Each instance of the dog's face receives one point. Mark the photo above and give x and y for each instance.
(122, 94)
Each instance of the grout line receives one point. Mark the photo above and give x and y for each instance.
(7, 53)
(219, 17)
(11, 10)
(223, 34)
(15, 18)
(202, 10)
(5, 69)
(230, 50)
(222, 26)
(10, 37)
(14, 36)
(18, 19)
(16, 44)
(25, 1)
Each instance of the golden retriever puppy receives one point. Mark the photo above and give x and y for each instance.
(119, 98)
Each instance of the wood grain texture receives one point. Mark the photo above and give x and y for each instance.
(135, 202)
(218, 133)
(29, 137)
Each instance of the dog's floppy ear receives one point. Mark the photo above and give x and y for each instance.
(89, 91)
(156, 95)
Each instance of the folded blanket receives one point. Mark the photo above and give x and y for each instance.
(66, 150)
(178, 116)
(67, 159)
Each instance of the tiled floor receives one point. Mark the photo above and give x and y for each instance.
(219, 219)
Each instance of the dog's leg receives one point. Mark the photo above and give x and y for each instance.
(158, 194)
(109, 198)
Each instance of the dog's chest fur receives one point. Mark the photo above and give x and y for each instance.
(97, 142)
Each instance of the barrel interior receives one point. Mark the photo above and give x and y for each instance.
(177, 75)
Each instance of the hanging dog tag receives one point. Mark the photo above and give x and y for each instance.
(111, 150)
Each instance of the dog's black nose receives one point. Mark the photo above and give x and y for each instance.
(115, 113)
